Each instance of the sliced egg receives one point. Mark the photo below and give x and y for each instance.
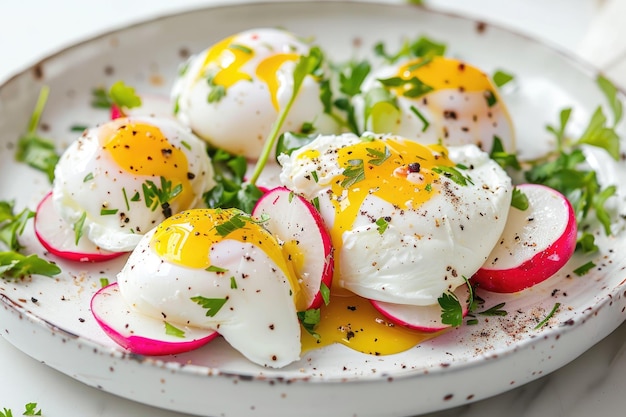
(435, 100)
(408, 221)
(122, 178)
(231, 93)
(220, 270)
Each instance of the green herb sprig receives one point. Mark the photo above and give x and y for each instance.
(34, 150)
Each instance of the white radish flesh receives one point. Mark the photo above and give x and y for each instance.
(139, 333)
(423, 318)
(58, 237)
(536, 243)
(300, 228)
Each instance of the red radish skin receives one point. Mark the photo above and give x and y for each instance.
(422, 318)
(550, 212)
(151, 105)
(138, 333)
(293, 218)
(59, 239)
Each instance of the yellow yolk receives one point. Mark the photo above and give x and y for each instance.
(353, 322)
(230, 65)
(187, 239)
(230, 57)
(142, 149)
(442, 73)
(267, 70)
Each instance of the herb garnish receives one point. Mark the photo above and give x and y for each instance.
(451, 310)
(32, 149)
(119, 94)
(309, 319)
(584, 269)
(173, 331)
(454, 174)
(548, 317)
(354, 173)
(155, 196)
(212, 305)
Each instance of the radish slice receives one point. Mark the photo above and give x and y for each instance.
(535, 243)
(423, 318)
(300, 228)
(59, 238)
(139, 333)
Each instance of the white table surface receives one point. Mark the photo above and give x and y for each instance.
(591, 385)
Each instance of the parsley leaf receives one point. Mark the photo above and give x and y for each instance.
(16, 265)
(454, 174)
(309, 319)
(212, 305)
(451, 310)
(354, 173)
(31, 410)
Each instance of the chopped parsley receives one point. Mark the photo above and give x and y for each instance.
(584, 269)
(519, 200)
(354, 173)
(309, 319)
(171, 330)
(501, 78)
(155, 197)
(454, 174)
(381, 224)
(211, 305)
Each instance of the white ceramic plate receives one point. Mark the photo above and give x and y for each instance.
(49, 319)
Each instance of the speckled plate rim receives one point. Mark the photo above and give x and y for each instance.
(596, 309)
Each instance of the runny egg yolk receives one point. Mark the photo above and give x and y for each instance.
(400, 172)
(230, 57)
(142, 149)
(187, 239)
(441, 73)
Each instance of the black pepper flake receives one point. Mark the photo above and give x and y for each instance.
(449, 114)
(166, 152)
(34, 300)
(191, 175)
(414, 167)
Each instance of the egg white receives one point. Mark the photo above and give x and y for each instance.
(110, 186)
(426, 250)
(259, 318)
(241, 120)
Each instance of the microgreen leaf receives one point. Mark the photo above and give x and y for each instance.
(78, 227)
(325, 291)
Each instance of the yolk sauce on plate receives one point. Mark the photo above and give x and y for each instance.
(405, 174)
